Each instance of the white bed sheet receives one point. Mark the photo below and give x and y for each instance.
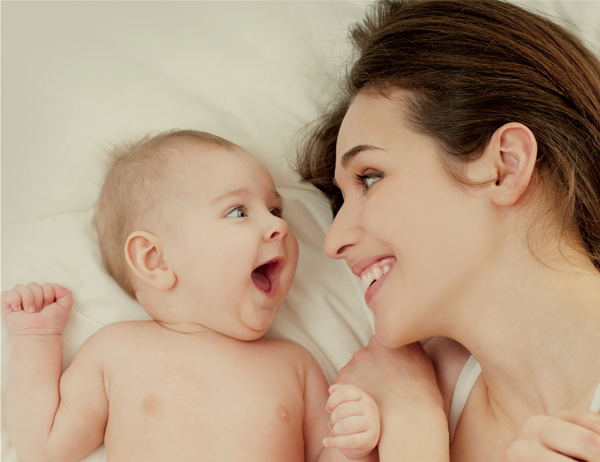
(79, 75)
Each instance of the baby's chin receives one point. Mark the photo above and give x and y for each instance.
(251, 336)
(248, 334)
(257, 321)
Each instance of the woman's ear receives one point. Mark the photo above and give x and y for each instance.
(144, 255)
(513, 151)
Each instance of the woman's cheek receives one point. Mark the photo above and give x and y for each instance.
(382, 216)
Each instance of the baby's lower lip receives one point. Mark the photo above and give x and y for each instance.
(261, 280)
(372, 290)
(272, 289)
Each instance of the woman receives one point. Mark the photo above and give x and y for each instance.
(462, 164)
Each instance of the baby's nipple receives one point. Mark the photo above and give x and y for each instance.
(283, 414)
(151, 405)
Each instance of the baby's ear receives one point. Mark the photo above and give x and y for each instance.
(144, 255)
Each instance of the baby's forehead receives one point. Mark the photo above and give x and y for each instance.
(210, 171)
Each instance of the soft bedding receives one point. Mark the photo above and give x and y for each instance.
(78, 76)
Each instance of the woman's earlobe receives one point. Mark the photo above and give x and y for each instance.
(144, 255)
(515, 155)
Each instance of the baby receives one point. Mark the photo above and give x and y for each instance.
(190, 225)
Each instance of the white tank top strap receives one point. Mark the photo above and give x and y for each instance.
(595, 407)
(466, 380)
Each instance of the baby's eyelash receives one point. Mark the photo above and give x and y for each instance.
(278, 211)
(240, 208)
(361, 180)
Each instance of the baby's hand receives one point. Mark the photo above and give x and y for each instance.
(354, 425)
(37, 309)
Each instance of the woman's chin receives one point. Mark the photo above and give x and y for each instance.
(390, 337)
(387, 337)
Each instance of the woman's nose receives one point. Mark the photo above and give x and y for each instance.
(342, 235)
(277, 229)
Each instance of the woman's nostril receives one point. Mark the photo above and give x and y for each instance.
(342, 250)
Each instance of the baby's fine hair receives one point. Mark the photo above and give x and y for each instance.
(135, 191)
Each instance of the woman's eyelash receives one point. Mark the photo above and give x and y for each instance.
(366, 181)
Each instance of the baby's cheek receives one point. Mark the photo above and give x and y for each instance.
(292, 251)
(291, 263)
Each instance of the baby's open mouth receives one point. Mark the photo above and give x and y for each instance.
(265, 276)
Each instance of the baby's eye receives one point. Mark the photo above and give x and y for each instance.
(237, 212)
(277, 212)
(367, 180)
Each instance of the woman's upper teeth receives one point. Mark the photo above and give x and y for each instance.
(375, 271)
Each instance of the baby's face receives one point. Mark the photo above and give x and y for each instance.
(233, 255)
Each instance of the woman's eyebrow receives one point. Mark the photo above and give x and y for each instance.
(352, 153)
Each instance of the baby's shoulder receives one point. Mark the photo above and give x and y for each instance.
(293, 360)
(280, 346)
(122, 327)
(118, 333)
(287, 350)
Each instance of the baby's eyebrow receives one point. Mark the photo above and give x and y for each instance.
(236, 192)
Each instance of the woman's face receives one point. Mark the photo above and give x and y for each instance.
(415, 238)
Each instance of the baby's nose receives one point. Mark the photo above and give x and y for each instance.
(277, 230)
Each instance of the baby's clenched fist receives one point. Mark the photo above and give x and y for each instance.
(354, 426)
(35, 308)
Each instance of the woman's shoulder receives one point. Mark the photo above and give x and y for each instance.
(448, 358)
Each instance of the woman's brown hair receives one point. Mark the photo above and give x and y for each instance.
(469, 67)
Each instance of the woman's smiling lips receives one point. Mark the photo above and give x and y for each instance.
(373, 271)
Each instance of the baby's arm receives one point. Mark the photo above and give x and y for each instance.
(351, 432)
(49, 417)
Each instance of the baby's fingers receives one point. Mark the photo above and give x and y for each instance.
(349, 425)
(347, 409)
(48, 294)
(341, 394)
(354, 441)
(11, 301)
(27, 298)
(64, 297)
(38, 295)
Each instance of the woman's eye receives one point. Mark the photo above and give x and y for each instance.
(238, 212)
(367, 180)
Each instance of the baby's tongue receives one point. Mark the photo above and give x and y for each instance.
(261, 281)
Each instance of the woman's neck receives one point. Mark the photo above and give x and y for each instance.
(535, 331)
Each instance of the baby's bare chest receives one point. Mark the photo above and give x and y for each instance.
(211, 403)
